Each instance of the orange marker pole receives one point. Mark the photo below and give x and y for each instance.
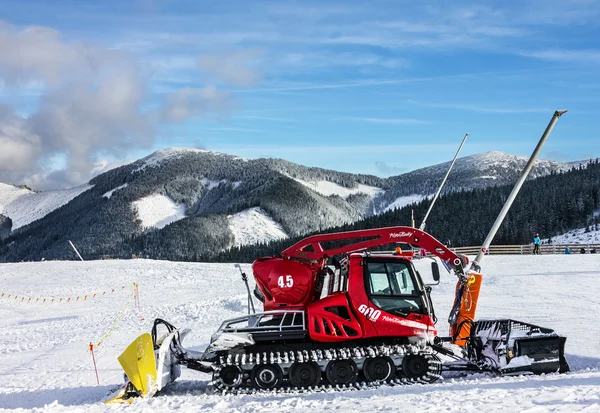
(94, 360)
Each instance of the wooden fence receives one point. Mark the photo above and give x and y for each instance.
(528, 249)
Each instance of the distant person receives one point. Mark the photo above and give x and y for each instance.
(567, 250)
(593, 251)
(536, 244)
(582, 250)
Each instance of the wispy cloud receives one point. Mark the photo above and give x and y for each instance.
(335, 60)
(294, 86)
(404, 148)
(231, 129)
(386, 169)
(566, 55)
(268, 118)
(392, 121)
(312, 86)
(234, 68)
(477, 108)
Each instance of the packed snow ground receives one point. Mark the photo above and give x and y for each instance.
(46, 366)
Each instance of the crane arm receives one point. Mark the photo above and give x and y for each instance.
(312, 248)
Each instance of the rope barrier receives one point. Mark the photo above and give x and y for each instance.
(84, 298)
(68, 300)
(136, 294)
(136, 297)
(115, 324)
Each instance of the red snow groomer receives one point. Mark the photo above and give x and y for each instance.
(336, 312)
(345, 315)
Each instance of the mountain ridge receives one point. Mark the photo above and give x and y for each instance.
(210, 191)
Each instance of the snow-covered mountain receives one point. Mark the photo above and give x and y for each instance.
(24, 206)
(475, 171)
(191, 202)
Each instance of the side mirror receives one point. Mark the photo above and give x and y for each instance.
(435, 271)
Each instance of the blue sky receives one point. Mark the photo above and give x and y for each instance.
(367, 87)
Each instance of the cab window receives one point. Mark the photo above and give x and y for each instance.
(390, 279)
(390, 287)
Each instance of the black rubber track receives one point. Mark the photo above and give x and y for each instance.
(423, 366)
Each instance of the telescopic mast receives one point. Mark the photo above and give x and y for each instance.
(476, 265)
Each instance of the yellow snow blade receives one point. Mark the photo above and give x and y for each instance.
(119, 398)
(140, 365)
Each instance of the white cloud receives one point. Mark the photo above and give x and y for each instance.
(476, 108)
(92, 101)
(565, 55)
(189, 102)
(20, 145)
(234, 68)
(104, 165)
(392, 121)
(269, 118)
(37, 53)
(333, 60)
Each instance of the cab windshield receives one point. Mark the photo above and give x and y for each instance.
(391, 287)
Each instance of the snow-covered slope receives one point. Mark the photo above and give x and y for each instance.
(46, 364)
(253, 226)
(331, 188)
(169, 154)
(110, 193)
(577, 236)
(402, 201)
(23, 206)
(9, 193)
(158, 211)
(498, 161)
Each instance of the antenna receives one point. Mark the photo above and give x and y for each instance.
(245, 279)
(422, 226)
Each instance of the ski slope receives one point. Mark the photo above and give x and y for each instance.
(46, 366)
(327, 188)
(253, 226)
(158, 211)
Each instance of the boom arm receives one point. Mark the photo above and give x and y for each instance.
(311, 248)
